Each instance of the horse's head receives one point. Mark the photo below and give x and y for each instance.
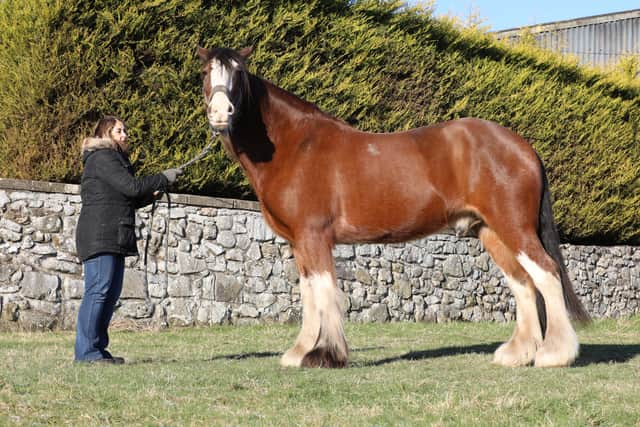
(225, 84)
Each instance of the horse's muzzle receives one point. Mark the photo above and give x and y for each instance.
(219, 126)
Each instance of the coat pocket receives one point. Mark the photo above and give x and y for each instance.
(126, 233)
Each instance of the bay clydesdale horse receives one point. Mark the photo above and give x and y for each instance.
(321, 182)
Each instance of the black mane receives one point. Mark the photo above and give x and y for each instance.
(227, 57)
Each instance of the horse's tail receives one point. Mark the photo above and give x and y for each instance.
(550, 238)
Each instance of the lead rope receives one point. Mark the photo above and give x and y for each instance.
(147, 297)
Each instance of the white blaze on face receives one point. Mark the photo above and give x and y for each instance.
(219, 108)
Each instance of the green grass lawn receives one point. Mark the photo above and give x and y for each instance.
(400, 374)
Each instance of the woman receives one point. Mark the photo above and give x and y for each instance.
(105, 233)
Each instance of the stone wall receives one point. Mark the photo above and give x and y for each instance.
(222, 264)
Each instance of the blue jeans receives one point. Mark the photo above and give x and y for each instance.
(103, 276)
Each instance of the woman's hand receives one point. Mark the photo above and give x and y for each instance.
(172, 174)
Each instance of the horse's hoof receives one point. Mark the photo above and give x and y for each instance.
(291, 359)
(514, 353)
(321, 358)
(550, 356)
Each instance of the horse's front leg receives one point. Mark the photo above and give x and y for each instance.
(321, 342)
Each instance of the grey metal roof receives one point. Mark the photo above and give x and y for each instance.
(599, 40)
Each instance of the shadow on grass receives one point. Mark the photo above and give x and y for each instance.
(434, 353)
(267, 354)
(238, 356)
(242, 356)
(590, 354)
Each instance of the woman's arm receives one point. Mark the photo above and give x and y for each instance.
(144, 201)
(110, 169)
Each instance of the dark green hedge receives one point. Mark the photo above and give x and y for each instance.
(63, 64)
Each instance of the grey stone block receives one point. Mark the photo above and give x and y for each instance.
(40, 286)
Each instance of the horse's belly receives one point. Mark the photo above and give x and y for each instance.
(389, 223)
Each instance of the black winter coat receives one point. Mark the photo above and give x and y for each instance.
(110, 195)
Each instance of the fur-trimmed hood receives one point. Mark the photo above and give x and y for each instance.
(92, 144)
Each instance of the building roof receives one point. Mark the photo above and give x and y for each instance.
(600, 40)
(572, 23)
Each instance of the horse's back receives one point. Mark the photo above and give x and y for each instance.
(473, 136)
(457, 158)
(473, 154)
(416, 182)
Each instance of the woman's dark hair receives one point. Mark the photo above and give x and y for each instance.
(104, 126)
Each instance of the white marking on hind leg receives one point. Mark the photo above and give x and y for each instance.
(521, 348)
(560, 346)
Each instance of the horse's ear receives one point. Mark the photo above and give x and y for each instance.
(203, 53)
(246, 52)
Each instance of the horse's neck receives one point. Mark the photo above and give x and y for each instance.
(270, 132)
(284, 114)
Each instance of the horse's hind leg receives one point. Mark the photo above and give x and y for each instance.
(527, 336)
(321, 342)
(560, 346)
